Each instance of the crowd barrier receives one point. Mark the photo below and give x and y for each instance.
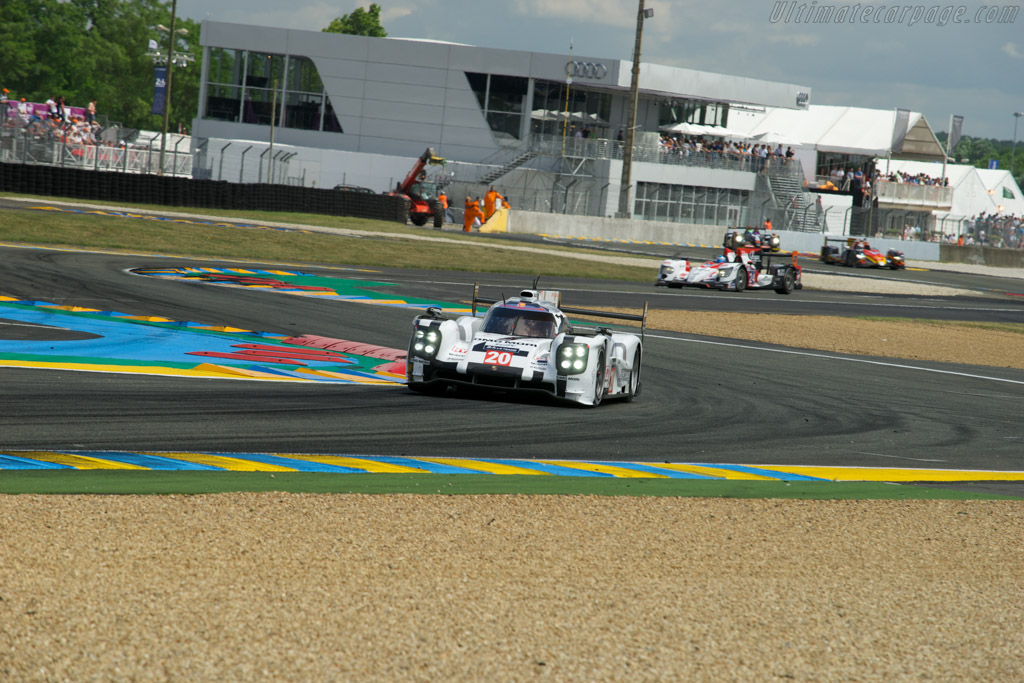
(202, 194)
(988, 256)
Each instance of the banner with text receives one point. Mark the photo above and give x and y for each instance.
(159, 89)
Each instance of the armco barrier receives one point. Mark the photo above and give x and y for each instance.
(201, 194)
(594, 227)
(988, 256)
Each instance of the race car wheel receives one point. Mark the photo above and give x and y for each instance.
(786, 282)
(741, 279)
(599, 380)
(849, 261)
(634, 378)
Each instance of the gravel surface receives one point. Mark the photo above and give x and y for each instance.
(276, 586)
(913, 341)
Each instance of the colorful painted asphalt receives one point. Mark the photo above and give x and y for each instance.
(77, 338)
(355, 464)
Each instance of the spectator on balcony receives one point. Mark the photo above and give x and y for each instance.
(789, 154)
(51, 107)
(90, 112)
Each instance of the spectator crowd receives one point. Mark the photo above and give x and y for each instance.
(51, 120)
(756, 157)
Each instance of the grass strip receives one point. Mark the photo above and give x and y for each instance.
(166, 483)
(32, 230)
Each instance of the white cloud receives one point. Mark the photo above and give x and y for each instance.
(1012, 50)
(794, 39)
(609, 12)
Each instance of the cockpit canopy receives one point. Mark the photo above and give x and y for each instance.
(521, 322)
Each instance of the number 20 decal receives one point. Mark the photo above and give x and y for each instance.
(498, 357)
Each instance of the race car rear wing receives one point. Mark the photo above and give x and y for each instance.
(610, 315)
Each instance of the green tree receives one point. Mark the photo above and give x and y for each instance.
(359, 22)
(94, 49)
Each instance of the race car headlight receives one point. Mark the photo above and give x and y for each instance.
(425, 343)
(572, 358)
(859, 255)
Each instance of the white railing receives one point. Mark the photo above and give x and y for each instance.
(26, 149)
(909, 194)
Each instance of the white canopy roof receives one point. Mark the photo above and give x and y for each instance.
(846, 130)
(975, 190)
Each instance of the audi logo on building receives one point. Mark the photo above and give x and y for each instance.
(594, 70)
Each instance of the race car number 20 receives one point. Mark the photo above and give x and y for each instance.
(498, 357)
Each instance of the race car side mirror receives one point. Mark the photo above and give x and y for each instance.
(434, 311)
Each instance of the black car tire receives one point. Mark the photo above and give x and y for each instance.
(599, 380)
(741, 279)
(634, 378)
(786, 282)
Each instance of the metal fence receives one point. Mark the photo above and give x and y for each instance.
(20, 145)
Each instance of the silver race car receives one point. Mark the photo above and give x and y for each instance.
(526, 343)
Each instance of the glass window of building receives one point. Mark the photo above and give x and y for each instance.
(691, 204)
(556, 112)
(502, 99)
(240, 87)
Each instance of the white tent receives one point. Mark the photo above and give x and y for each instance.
(843, 130)
(719, 131)
(773, 138)
(975, 190)
(685, 129)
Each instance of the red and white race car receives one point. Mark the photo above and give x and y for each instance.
(746, 263)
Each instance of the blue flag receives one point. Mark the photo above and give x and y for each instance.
(159, 89)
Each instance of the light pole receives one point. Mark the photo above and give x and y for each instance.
(634, 93)
(180, 58)
(1013, 150)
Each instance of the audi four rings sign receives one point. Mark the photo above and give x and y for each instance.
(594, 70)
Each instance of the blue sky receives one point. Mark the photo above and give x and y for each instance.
(888, 56)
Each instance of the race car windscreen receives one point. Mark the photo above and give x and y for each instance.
(520, 323)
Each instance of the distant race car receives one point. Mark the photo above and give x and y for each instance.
(857, 253)
(746, 263)
(526, 343)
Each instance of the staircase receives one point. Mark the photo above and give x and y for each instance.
(795, 204)
(511, 165)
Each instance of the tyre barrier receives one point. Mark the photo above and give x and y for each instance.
(76, 183)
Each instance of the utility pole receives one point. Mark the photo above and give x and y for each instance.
(1013, 150)
(167, 96)
(634, 93)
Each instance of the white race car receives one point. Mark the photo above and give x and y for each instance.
(526, 343)
(744, 264)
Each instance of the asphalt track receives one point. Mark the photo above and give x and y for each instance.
(704, 400)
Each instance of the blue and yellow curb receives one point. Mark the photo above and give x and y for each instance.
(357, 464)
